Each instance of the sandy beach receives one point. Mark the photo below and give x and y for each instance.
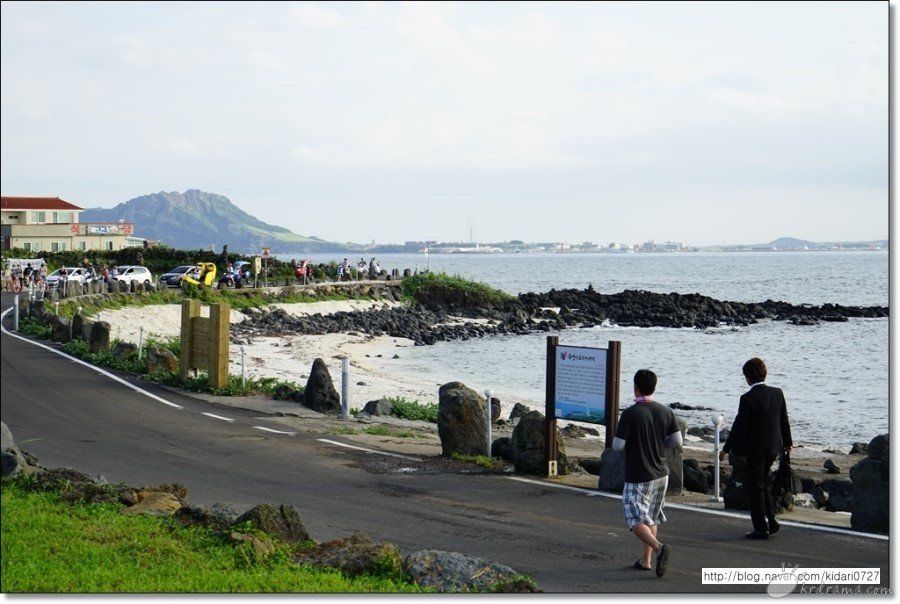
(290, 357)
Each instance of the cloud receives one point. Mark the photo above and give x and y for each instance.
(304, 154)
(186, 146)
(317, 17)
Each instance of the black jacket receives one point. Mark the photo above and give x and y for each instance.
(761, 428)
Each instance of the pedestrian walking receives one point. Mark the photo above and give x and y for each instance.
(760, 432)
(644, 431)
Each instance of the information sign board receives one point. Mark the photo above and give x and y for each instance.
(580, 384)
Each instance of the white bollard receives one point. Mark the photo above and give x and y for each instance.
(16, 312)
(140, 340)
(345, 387)
(487, 395)
(717, 424)
(56, 305)
(243, 379)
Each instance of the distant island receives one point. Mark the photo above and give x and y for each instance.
(199, 220)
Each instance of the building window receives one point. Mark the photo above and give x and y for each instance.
(82, 245)
(31, 247)
(57, 247)
(109, 245)
(39, 217)
(62, 217)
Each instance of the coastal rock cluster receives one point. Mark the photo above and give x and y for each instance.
(550, 311)
(640, 308)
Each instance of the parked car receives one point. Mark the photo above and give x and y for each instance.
(74, 273)
(138, 274)
(173, 277)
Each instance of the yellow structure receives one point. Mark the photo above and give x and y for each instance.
(207, 275)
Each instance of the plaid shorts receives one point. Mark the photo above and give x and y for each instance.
(643, 502)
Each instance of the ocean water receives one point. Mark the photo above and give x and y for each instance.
(834, 375)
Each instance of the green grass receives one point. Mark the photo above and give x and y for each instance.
(379, 431)
(491, 463)
(49, 546)
(387, 431)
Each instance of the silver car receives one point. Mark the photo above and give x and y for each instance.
(173, 277)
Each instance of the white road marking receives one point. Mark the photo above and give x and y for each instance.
(275, 431)
(690, 508)
(226, 419)
(88, 365)
(334, 442)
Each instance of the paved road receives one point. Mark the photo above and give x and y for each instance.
(569, 540)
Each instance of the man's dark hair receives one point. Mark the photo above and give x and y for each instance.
(645, 381)
(755, 370)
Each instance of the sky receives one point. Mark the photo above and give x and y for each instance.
(704, 123)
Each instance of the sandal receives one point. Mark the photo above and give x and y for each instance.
(640, 566)
(662, 560)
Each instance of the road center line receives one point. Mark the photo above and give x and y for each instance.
(86, 364)
(334, 442)
(275, 431)
(225, 419)
(690, 508)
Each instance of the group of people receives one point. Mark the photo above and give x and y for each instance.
(760, 432)
(26, 278)
(343, 269)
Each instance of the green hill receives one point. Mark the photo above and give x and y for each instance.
(198, 220)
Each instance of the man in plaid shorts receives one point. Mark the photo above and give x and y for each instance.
(644, 431)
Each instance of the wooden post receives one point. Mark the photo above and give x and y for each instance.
(204, 342)
(550, 407)
(219, 317)
(613, 367)
(190, 308)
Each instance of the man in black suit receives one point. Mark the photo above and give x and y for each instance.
(760, 432)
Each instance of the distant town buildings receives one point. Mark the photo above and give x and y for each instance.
(650, 246)
(50, 224)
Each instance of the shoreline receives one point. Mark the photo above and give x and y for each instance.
(290, 357)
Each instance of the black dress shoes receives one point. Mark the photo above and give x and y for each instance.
(756, 535)
(773, 526)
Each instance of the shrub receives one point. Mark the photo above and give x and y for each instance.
(405, 409)
(434, 289)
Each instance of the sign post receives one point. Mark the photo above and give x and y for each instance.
(265, 259)
(582, 385)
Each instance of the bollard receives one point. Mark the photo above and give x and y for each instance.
(487, 395)
(717, 424)
(56, 305)
(16, 312)
(72, 323)
(345, 387)
(243, 380)
(140, 339)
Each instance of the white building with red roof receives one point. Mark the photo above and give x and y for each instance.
(50, 224)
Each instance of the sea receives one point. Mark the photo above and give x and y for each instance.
(834, 375)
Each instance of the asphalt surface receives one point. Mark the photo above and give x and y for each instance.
(569, 540)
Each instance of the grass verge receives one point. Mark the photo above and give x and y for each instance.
(50, 546)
